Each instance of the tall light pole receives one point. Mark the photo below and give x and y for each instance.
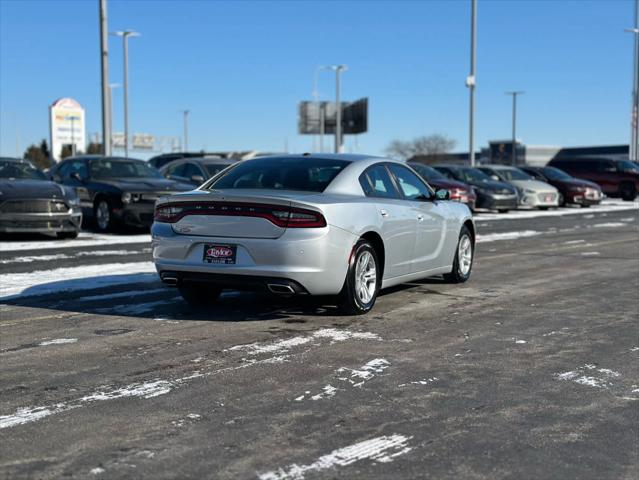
(320, 109)
(110, 103)
(514, 146)
(338, 108)
(125, 34)
(104, 76)
(186, 130)
(470, 81)
(634, 129)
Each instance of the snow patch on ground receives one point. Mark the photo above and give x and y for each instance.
(85, 239)
(573, 242)
(358, 377)
(493, 237)
(590, 254)
(63, 256)
(382, 449)
(57, 341)
(609, 225)
(284, 346)
(591, 376)
(608, 205)
(86, 277)
(425, 381)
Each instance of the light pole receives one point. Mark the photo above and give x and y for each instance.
(186, 130)
(125, 34)
(104, 77)
(72, 135)
(320, 108)
(514, 146)
(109, 141)
(634, 129)
(470, 81)
(338, 108)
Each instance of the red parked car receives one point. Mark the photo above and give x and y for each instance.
(459, 191)
(617, 178)
(571, 190)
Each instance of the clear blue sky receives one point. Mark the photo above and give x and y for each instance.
(241, 67)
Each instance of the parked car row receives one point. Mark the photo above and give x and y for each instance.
(114, 191)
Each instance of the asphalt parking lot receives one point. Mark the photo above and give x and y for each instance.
(530, 370)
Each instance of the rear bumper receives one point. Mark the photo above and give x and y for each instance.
(313, 260)
(40, 222)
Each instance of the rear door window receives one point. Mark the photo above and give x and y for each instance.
(376, 182)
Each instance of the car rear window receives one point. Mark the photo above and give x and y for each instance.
(282, 173)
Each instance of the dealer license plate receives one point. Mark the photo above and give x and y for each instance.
(220, 254)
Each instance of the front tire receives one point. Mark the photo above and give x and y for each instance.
(363, 281)
(103, 214)
(502, 210)
(464, 256)
(199, 294)
(628, 192)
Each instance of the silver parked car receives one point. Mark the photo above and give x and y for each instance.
(532, 193)
(346, 225)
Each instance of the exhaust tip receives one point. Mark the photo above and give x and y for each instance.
(170, 280)
(280, 288)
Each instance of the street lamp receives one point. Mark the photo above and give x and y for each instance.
(470, 82)
(634, 130)
(186, 130)
(125, 34)
(111, 86)
(338, 111)
(320, 108)
(514, 147)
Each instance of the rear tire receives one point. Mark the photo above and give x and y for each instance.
(363, 281)
(502, 210)
(464, 256)
(561, 201)
(627, 191)
(199, 294)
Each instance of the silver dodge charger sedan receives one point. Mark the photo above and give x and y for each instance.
(318, 224)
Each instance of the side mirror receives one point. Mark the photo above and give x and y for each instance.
(197, 178)
(442, 194)
(76, 176)
(56, 178)
(495, 177)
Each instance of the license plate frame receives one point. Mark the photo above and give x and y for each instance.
(219, 254)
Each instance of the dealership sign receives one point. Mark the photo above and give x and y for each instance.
(66, 123)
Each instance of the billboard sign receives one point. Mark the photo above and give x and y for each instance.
(66, 126)
(354, 117)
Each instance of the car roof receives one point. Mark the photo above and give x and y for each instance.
(499, 166)
(102, 157)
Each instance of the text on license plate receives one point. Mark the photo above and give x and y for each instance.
(220, 254)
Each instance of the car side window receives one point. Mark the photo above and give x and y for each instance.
(376, 182)
(69, 168)
(175, 170)
(191, 170)
(410, 184)
(605, 166)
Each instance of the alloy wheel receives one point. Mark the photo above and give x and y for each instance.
(365, 277)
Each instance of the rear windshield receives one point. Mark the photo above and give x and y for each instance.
(289, 173)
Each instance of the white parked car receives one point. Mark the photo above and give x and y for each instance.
(532, 193)
(345, 225)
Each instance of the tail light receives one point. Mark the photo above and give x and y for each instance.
(282, 216)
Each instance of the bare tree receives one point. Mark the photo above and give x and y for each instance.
(429, 145)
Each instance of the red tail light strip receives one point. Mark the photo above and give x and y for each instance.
(280, 215)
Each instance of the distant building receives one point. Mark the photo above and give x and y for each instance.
(500, 151)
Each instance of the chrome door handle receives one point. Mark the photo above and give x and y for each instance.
(384, 213)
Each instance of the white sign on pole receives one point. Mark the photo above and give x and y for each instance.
(66, 122)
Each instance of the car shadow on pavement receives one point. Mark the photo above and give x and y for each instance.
(142, 295)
